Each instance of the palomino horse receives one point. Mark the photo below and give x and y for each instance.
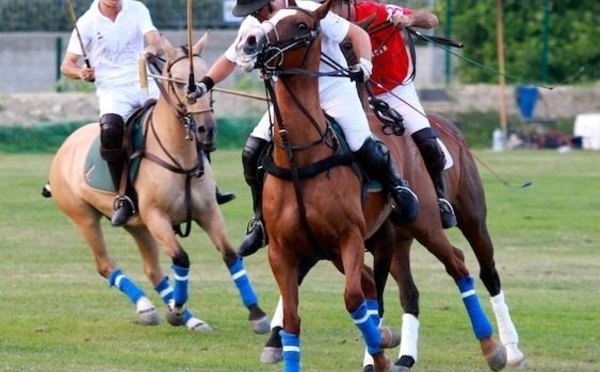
(174, 185)
(328, 220)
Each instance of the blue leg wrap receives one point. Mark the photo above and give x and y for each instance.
(479, 321)
(291, 351)
(238, 273)
(180, 290)
(373, 311)
(124, 284)
(368, 328)
(166, 293)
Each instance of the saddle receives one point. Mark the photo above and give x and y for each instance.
(96, 171)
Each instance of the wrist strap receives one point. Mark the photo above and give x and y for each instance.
(208, 81)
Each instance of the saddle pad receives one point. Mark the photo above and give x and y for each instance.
(449, 160)
(96, 172)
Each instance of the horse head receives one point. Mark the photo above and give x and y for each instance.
(285, 41)
(179, 69)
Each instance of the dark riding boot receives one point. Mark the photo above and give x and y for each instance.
(375, 159)
(112, 131)
(256, 235)
(435, 161)
(222, 197)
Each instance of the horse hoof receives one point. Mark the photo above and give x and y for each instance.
(369, 368)
(515, 357)
(147, 313)
(197, 325)
(175, 314)
(261, 326)
(496, 359)
(271, 355)
(389, 338)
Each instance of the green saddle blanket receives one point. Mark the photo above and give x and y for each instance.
(96, 172)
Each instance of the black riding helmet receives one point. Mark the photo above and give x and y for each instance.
(243, 8)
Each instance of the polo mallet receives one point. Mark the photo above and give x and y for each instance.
(191, 79)
(71, 12)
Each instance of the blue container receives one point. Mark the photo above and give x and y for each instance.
(527, 96)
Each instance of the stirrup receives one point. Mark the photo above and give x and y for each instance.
(120, 200)
(447, 213)
(251, 243)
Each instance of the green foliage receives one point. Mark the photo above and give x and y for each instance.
(570, 28)
(35, 139)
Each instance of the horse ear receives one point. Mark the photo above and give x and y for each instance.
(200, 44)
(168, 48)
(322, 11)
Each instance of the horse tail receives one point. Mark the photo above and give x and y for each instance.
(46, 193)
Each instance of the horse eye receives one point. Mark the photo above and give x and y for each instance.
(302, 26)
(179, 85)
(347, 46)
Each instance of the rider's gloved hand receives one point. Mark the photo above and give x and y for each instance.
(246, 63)
(361, 71)
(200, 89)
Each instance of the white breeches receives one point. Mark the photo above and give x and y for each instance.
(405, 101)
(341, 104)
(125, 100)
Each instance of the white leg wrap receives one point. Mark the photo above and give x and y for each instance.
(410, 336)
(277, 320)
(506, 329)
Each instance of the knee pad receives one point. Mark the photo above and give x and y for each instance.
(112, 130)
(251, 155)
(426, 141)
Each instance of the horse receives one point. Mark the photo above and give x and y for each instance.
(328, 219)
(173, 184)
(465, 192)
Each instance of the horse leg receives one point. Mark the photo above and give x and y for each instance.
(409, 299)
(106, 267)
(272, 352)
(472, 224)
(379, 245)
(453, 259)
(212, 222)
(375, 338)
(162, 232)
(285, 270)
(149, 251)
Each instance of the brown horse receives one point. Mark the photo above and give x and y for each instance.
(173, 185)
(465, 192)
(327, 219)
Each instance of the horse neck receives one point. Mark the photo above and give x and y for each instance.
(300, 109)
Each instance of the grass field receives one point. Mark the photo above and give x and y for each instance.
(58, 314)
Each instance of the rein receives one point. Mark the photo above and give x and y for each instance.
(185, 117)
(270, 61)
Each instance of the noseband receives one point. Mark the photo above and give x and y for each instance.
(271, 58)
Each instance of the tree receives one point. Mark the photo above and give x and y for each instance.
(572, 34)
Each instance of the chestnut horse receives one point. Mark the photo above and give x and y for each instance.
(174, 184)
(465, 192)
(327, 219)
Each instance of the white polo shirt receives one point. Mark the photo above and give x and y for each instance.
(113, 47)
